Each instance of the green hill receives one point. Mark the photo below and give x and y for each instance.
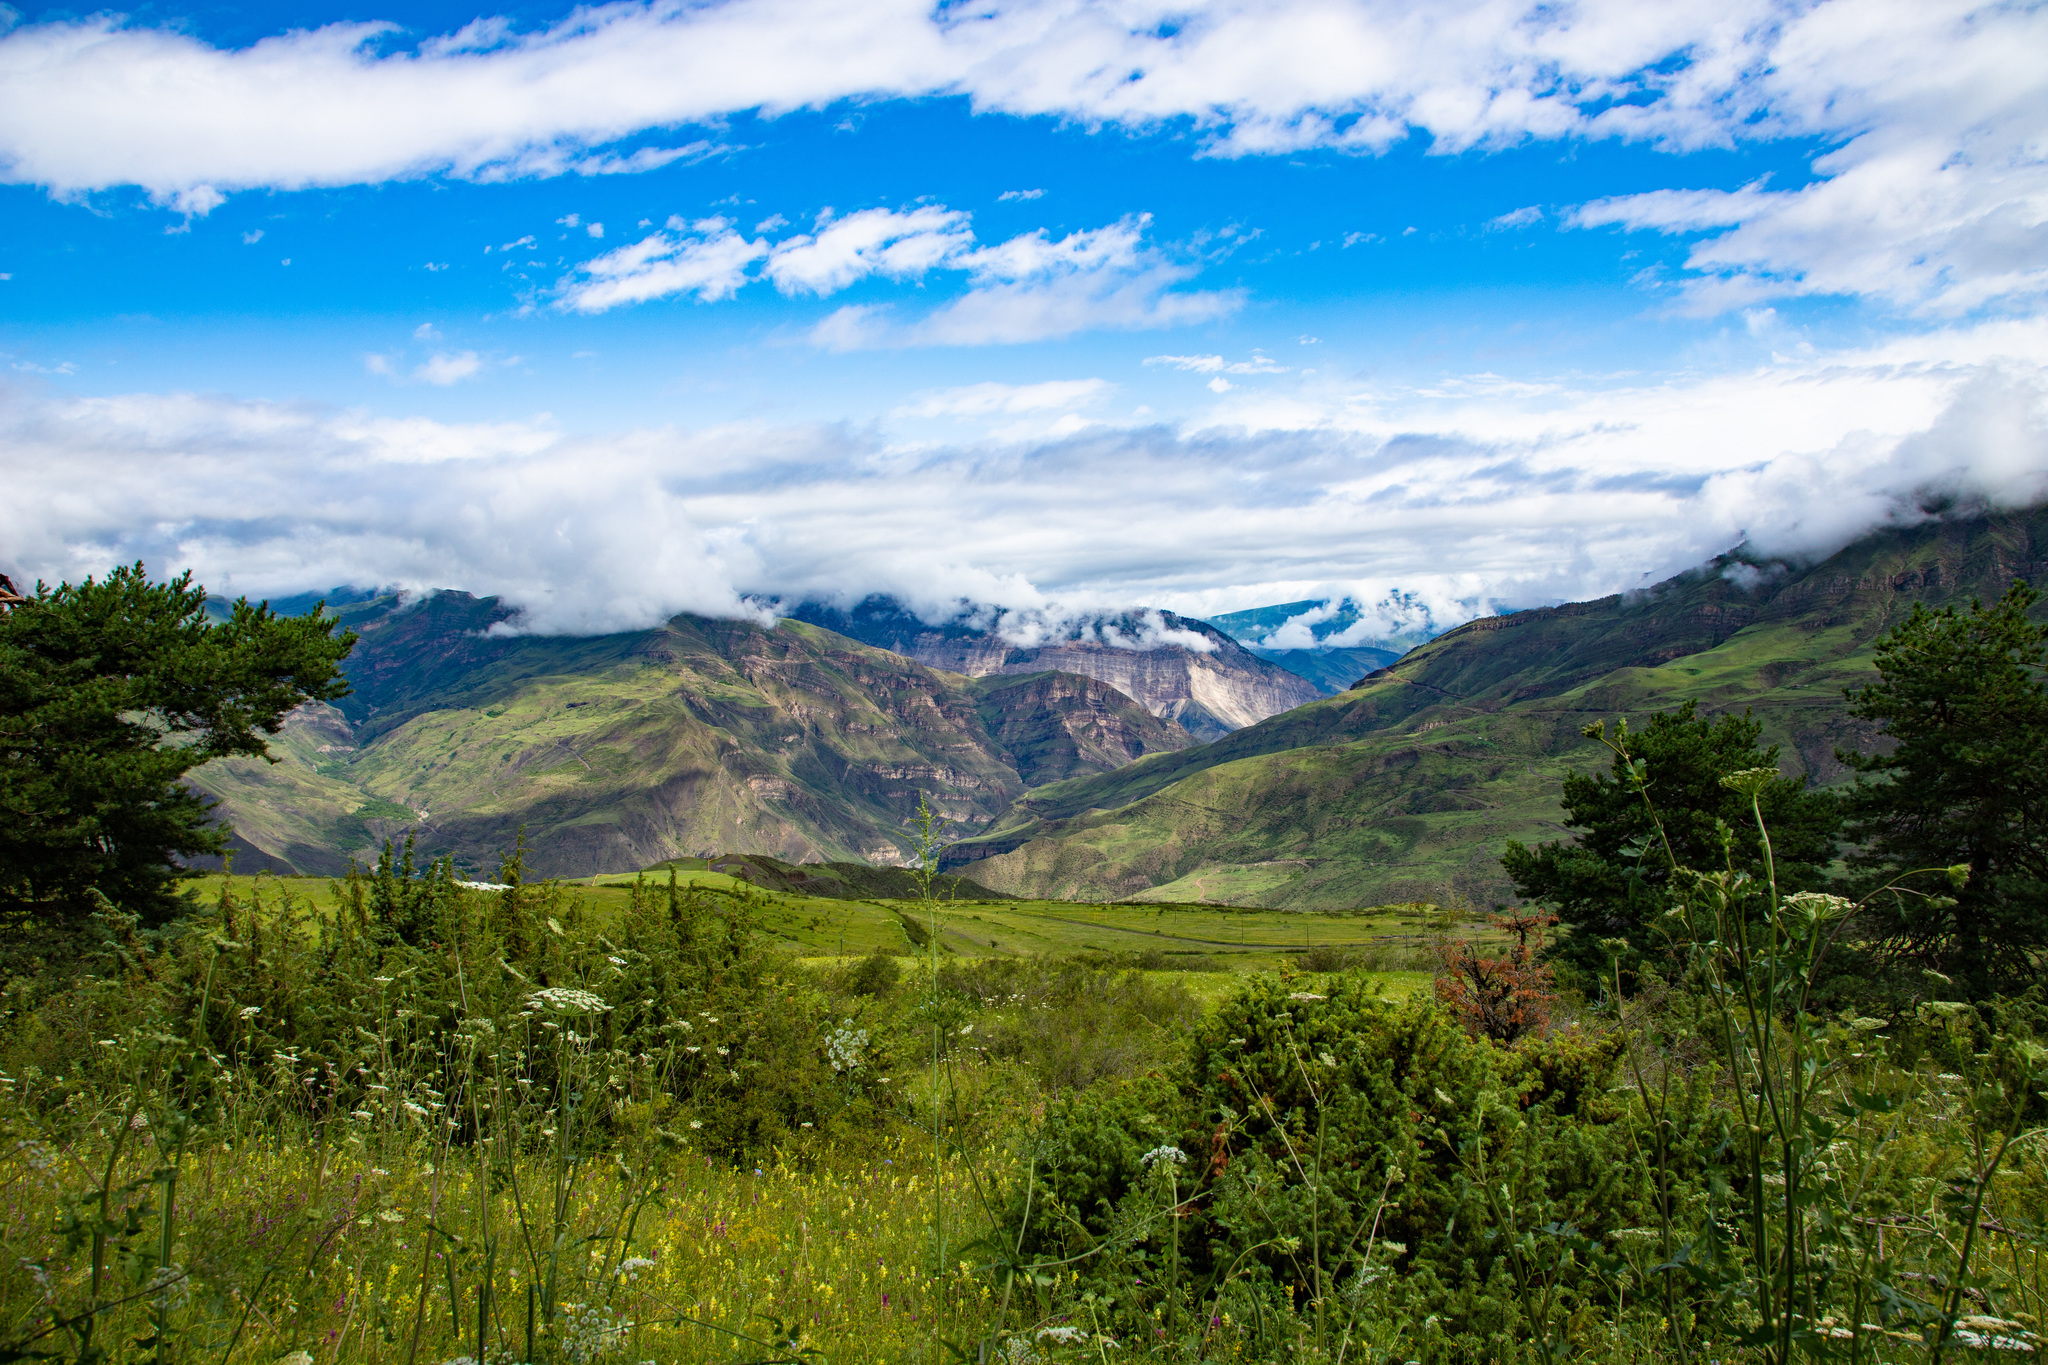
(1406, 786)
(619, 751)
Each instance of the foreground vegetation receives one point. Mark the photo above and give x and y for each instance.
(416, 1121)
(1762, 1105)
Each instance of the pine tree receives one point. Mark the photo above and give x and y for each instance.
(1612, 881)
(1964, 697)
(110, 692)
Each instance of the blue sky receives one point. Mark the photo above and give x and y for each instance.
(646, 308)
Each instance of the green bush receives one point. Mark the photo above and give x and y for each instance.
(1309, 1136)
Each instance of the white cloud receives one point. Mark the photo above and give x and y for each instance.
(871, 242)
(252, 237)
(1216, 364)
(1007, 195)
(986, 400)
(594, 229)
(1931, 197)
(1032, 288)
(634, 163)
(1519, 218)
(855, 327)
(707, 259)
(425, 332)
(1933, 200)
(1029, 288)
(442, 369)
(1496, 490)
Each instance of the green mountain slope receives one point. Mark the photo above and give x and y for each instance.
(1406, 786)
(620, 751)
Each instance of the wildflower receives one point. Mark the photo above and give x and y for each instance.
(568, 1000)
(1307, 995)
(1157, 1154)
(846, 1047)
(251, 1011)
(696, 1123)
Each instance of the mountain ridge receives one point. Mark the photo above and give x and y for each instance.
(1407, 785)
(616, 752)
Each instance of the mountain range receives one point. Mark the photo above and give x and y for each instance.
(619, 751)
(1406, 786)
(1067, 759)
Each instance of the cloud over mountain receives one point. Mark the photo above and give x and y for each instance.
(1465, 496)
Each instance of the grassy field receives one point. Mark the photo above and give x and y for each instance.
(1194, 940)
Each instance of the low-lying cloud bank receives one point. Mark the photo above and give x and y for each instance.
(1465, 497)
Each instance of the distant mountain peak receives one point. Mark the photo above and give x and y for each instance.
(1176, 667)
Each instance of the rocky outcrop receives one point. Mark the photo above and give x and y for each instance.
(1054, 726)
(1177, 668)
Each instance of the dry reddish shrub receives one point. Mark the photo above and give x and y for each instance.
(1503, 997)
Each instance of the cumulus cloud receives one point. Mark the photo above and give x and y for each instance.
(1029, 288)
(1932, 195)
(872, 242)
(706, 258)
(1463, 496)
(1032, 287)
(1936, 199)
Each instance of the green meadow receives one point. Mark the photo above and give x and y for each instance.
(1175, 938)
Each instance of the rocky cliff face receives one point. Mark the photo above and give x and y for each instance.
(1177, 668)
(1054, 726)
(617, 752)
